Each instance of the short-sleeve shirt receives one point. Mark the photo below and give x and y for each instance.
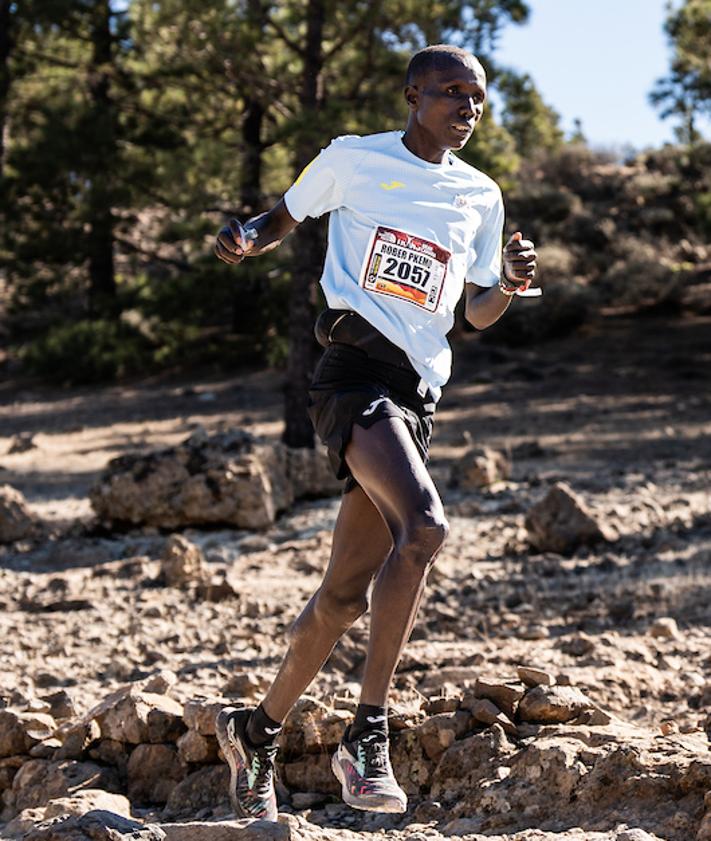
(404, 236)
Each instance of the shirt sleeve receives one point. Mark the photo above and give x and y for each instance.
(485, 259)
(322, 183)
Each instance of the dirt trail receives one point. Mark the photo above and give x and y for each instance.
(622, 413)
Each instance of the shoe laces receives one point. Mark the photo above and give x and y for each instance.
(373, 753)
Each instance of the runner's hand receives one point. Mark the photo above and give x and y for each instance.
(232, 245)
(519, 261)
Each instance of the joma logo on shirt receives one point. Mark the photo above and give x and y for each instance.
(393, 185)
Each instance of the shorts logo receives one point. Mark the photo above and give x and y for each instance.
(393, 185)
(374, 405)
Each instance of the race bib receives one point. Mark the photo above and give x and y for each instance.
(406, 267)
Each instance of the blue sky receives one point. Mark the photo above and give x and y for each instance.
(597, 60)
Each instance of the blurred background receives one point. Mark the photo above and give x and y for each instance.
(131, 130)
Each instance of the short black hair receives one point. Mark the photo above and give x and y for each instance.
(436, 57)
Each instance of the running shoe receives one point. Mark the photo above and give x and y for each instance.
(252, 769)
(363, 769)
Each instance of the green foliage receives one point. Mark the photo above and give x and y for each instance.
(532, 124)
(686, 92)
(87, 352)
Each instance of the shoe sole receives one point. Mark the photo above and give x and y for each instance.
(366, 802)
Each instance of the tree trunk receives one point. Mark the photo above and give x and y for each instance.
(5, 50)
(307, 244)
(102, 159)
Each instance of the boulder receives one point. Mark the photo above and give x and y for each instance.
(192, 747)
(206, 788)
(311, 773)
(480, 467)
(486, 712)
(312, 727)
(199, 714)
(39, 780)
(19, 731)
(440, 731)
(138, 717)
(310, 472)
(97, 825)
(664, 628)
(17, 522)
(553, 704)
(153, 772)
(182, 563)
(561, 521)
(232, 478)
(505, 695)
(243, 830)
(8, 768)
(532, 676)
(76, 804)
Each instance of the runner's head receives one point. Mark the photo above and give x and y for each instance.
(445, 91)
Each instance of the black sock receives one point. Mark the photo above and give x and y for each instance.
(368, 717)
(261, 729)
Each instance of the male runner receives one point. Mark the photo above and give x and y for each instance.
(411, 228)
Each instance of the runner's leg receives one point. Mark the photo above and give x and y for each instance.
(361, 543)
(387, 466)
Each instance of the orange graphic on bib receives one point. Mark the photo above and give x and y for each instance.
(404, 266)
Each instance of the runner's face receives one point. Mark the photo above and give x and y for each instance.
(447, 104)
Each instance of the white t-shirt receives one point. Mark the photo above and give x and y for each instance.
(404, 235)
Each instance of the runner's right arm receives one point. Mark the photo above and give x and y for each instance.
(256, 236)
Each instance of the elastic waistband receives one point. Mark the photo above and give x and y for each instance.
(349, 328)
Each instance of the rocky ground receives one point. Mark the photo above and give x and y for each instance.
(622, 414)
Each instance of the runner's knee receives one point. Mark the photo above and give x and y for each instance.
(335, 607)
(421, 539)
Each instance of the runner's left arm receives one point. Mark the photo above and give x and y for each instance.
(256, 236)
(485, 305)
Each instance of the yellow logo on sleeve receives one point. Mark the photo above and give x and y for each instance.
(393, 185)
(304, 171)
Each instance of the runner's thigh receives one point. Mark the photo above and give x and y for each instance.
(385, 463)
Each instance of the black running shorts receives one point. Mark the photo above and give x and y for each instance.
(351, 387)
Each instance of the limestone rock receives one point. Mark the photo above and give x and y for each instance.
(440, 731)
(505, 695)
(153, 772)
(664, 628)
(87, 800)
(245, 685)
(39, 781)
(199, 714)
(532, 676)
(309, 470)
(561, 521)
(97, 825)
(413, 768)
(8, 768)
(76, 737)
(487, 712)
(182, 563)
(160, 683)
(311, 773)
(231, 478)
(553, 704)
(142, 717)
(206, 788)
(192, 747)
(20, 731)
(17, 522)
(480, 467)
(243, 830)
(312, 727)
